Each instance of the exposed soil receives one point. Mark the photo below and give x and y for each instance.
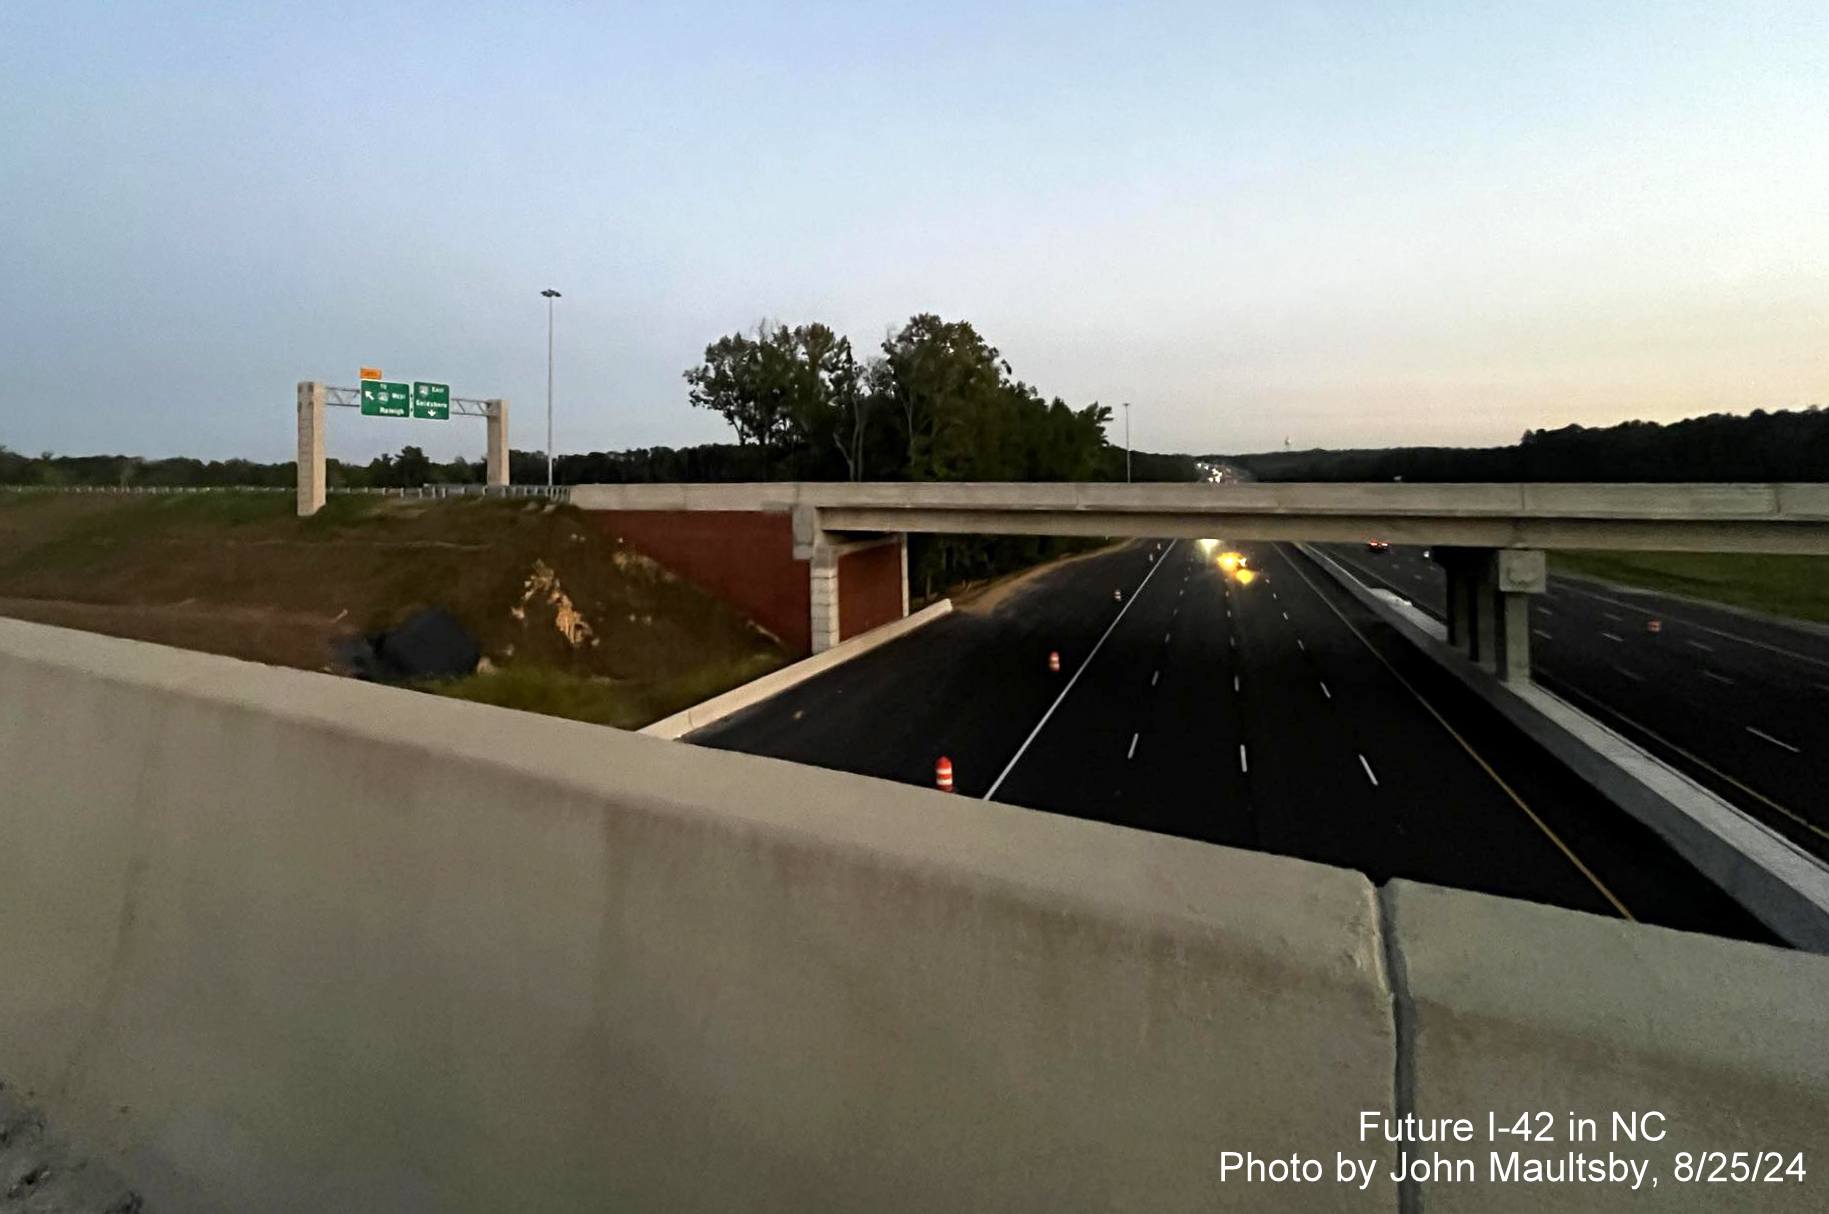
(239, 574)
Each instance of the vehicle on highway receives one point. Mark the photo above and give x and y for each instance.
(1378, 545)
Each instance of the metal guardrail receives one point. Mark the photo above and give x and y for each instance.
(557, 493)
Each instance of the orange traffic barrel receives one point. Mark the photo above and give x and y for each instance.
(943, 774)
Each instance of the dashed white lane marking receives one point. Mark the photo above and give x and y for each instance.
(1234, 682)
(1719, 678)
(1228, 613)
(1615, 616)
(1154, 677)
(1077, 672)
(1720, 632)
(1233, 641)
(1301, 646)
(1701, 646)
(1368, 771)
(1325, 691)
(1538, 632)
(1614, 636)
(1636, 678)
(1545, 611)
(1133, 746)
(1760, 733)
(1165, 638)
(1244, 763)
(1285, 615)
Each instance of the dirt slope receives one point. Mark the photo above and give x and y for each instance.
(571, 621)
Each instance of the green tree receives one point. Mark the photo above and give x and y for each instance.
(752, 382)
(943, 382)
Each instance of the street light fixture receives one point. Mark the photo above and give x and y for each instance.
(550, 295)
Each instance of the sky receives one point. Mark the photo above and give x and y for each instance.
(1332, 224)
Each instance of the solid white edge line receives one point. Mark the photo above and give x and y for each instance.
(1078, 671)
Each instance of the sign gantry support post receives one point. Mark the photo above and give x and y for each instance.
(377, 397)
(311, 484)
(496, 466)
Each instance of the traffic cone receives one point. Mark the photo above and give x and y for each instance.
(1054, 661)
(943, 774)
(1654, 625)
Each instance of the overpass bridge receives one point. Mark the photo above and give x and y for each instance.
(817, 561)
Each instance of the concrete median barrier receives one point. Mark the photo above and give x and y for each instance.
(275, 940)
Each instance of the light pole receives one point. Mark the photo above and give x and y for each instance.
(1127, 442)
(550, 295)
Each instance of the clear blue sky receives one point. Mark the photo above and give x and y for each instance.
(1425, 222)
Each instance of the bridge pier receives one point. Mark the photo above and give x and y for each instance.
(825, 553)
(1489, 593)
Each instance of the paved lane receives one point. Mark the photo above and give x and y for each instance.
(1739, 703)
(1278, 715)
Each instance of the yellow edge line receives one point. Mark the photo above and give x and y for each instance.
(1471, 752)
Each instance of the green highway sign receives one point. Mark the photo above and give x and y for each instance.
(383, 398)
(431, 402)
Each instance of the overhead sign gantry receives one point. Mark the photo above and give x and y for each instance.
(376, 396)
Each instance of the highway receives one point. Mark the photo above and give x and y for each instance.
(1738, 702)
(1278, 715)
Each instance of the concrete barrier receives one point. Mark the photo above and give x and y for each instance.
(1518, 1009)
(275, 940)
(709, 712)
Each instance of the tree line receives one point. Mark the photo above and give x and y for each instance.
(1783, 445)
(935, 402)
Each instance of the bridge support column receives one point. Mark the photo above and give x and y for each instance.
(1518, 573)
(311, 471)
(867, 596)
(496, 462)
(824, 572)
(1489, 605)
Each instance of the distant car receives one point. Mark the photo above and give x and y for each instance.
(1377, 546)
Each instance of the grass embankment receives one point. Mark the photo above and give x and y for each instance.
(1795, 586)
(570, 621)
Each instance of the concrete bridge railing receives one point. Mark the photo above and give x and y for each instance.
(275, 940)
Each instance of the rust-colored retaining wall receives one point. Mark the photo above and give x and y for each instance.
(745, 557)
(869, 589)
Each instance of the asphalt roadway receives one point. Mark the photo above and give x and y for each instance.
(1738, 702)
(1278, 715)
